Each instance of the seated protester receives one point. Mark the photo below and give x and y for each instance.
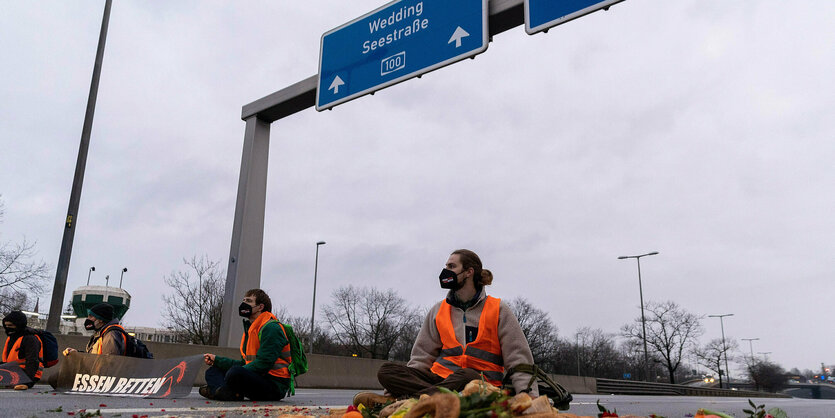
(262, 372)
(464, 336)
(24, 347)
(109, 338)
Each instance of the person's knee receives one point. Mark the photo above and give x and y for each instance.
(468, 374)
(214, 371)
(387, 370)
(234, 376)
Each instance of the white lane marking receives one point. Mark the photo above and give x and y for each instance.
(218, 408)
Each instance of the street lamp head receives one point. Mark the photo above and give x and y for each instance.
(622, 257)
(653, 253)
(320, 243)
(125, 270)
(92, 269)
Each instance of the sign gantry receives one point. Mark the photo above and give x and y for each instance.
(398, 41)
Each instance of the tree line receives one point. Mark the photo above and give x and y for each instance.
(373, 323)
(380, 324)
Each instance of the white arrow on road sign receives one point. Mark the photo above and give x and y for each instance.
(457, 35)
(335, 85)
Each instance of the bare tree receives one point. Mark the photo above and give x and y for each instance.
(598, 356)
(194, 308)
(538, 328)
(671, 330)
(20, 278)
(712, 355)
(631, 352)
(767, 375)
(370, 322)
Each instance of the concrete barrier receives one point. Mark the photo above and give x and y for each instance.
(576, 384)
(325, 371)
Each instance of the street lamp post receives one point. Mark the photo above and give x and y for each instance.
(106, 284)
(724, 347)
(643, 318)
(313, 312)
(124, 270)
(751, 345)
(92, 269)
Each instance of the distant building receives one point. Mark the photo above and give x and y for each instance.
(69, 325)
(157, 335)
(84, 298)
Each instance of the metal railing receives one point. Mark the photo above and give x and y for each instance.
(628, 387)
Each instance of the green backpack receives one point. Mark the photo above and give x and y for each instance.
(298, 364)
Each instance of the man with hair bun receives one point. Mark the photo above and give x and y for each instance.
(464, 336)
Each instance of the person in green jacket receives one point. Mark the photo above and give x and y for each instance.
(262, 371)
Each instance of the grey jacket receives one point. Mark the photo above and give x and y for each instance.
(515, 349)
(113, 342)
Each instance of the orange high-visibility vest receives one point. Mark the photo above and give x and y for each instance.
(96, 349)
(251, 341)
(13, 355)
(484, 354)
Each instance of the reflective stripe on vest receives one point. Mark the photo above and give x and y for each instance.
(13, 355)
(484, 354)
(251, 342)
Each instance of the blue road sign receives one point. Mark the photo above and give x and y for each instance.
(544, 14)
(398, 41)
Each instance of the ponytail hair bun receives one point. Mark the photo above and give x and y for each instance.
(486, 277)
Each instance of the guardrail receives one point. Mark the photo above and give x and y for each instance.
(359, 373)
(628, 387)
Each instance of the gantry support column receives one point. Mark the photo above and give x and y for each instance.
(244, 270)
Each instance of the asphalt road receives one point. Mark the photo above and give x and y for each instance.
(41, 401)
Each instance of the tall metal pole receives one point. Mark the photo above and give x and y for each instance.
(92, 269)
(578, 354)
(643, 318)
(60, 287)
(724, 347)
(751, 345)
(313, 312)
(124, 270)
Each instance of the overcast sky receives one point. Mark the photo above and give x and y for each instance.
(702, 129)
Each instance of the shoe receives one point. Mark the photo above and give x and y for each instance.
(371, 399)
(21, 387)
(224, 394)
(206, 392)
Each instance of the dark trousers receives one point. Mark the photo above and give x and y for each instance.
(400, 380)
(242, 381)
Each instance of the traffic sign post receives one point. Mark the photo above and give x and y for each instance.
(398, 41)
(541, 15)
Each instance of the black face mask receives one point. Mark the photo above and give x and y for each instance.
(89, 324)
(449, 280)
(245, 310)
(11, 332)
